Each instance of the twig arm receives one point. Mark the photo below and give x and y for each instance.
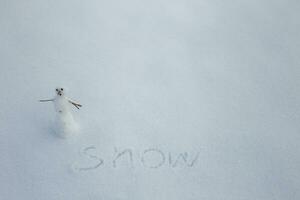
(77, 105)
(46, 100)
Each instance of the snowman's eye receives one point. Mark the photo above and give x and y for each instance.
(56, 89)
(62, 89)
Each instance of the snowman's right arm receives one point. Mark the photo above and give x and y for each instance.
(46, 100)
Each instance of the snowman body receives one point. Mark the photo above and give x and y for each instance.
(64, 121)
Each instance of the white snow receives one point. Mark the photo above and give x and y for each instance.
(194, 99)
(64, 123)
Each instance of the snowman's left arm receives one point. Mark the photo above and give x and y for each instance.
(77, 105)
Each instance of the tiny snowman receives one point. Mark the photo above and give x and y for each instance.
(64, 121)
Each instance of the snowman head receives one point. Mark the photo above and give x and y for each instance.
(59, 91)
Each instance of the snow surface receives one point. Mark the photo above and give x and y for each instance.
(182, 100)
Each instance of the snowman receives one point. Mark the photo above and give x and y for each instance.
(64, 121)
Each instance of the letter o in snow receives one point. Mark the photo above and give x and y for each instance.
(156, 160)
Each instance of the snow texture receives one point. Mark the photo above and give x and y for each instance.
(182, 100)
(64, 123)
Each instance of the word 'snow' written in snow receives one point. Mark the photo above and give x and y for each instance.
(152, 158)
